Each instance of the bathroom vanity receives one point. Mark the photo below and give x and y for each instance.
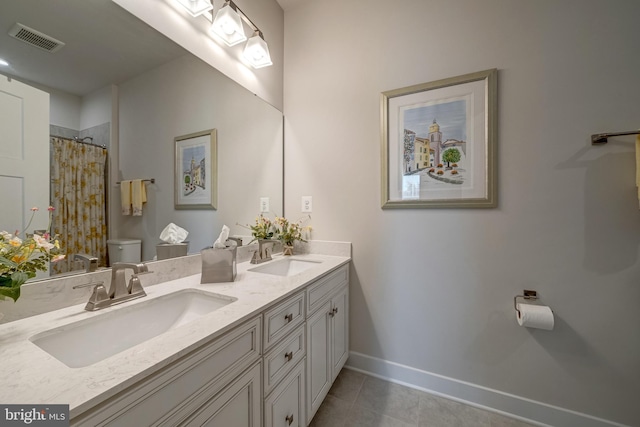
(263, 350)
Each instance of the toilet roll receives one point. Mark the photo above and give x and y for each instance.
(535, 316)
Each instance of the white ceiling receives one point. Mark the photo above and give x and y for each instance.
(104, 44)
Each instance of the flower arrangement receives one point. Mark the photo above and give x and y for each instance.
(288, 232)
(21, 258)
(263, 228)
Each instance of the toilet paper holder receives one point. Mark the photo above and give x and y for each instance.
(528, 295)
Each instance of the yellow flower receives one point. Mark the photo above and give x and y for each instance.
(15, 242)
(18, 258)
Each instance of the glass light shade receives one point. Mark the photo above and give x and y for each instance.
(196, 7)
(228, 26)
(257, 52)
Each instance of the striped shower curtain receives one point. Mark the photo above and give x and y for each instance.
(78, 196)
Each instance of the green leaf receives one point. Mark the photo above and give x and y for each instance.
(10, 288)
(8, 262)
(18, 278)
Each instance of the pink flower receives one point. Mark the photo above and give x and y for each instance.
(51, 209)
(34, 209)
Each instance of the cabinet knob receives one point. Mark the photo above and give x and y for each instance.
(288, 356)
(289, 419)
(333, 311)
(288, 317)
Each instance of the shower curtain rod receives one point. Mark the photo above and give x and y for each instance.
(80, 141)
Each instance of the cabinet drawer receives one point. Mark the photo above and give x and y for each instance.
(238, 404)
(282, 319)
(284, 356)
(285, 406)
(164, 398)
(320, 292)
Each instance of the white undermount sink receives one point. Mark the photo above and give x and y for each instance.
(285, 267)
(89, 341)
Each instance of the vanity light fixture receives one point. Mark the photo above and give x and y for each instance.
(257, 52)
(228, 25)
(196, 7)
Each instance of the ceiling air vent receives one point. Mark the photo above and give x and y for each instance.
(35, 38)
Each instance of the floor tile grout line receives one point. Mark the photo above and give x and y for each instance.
(354, 401)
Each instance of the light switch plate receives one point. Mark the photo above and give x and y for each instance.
(264, 204)
(307, 204)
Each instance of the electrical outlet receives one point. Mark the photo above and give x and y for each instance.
(307, 204)
(264, 204)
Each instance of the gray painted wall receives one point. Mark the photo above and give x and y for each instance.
(433, 289)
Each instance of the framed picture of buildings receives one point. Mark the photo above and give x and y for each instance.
(439, 143)
(196, 171)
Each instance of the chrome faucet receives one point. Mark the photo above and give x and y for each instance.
(265, 249)
(90, 262)
(118, 291)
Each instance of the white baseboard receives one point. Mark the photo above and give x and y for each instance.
(528, 410)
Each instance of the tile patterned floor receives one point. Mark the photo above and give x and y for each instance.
(357, 400)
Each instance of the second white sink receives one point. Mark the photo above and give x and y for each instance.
(286, 267)
(89, 341)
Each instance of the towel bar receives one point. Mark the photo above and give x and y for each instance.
(603, 138)
(151, 180)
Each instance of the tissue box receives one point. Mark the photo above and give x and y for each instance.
(171, 250)
(218, 265)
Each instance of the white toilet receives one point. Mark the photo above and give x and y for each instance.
(124, 250)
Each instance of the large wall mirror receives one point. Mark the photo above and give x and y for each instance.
(119, 83)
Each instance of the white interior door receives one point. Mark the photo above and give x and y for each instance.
(24, 155)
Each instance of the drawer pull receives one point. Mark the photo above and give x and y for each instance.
(288, 317)
(288, 356)
(333, 312)
(289, 419)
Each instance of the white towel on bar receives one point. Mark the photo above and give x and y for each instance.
(138, 196)
(125, 197)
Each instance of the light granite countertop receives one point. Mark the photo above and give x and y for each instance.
(29, 375)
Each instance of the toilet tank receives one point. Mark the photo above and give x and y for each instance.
(124, 250)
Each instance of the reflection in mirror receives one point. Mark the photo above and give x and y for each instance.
(117, 82)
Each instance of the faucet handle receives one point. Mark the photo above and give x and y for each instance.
(135, 287)
(99, 298)
(86, 285)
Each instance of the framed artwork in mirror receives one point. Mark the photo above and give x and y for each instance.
(439, 143)
(196, 178)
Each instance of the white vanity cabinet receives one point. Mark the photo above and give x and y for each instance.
(327, 335)
(219, 380)
(284, 363)
(273, 370)
(302, 363)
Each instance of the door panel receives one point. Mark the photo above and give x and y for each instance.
(24, 155)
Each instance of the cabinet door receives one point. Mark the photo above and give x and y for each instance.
(285, 405)
(237, 405)
(319, 373)
(339, 331)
